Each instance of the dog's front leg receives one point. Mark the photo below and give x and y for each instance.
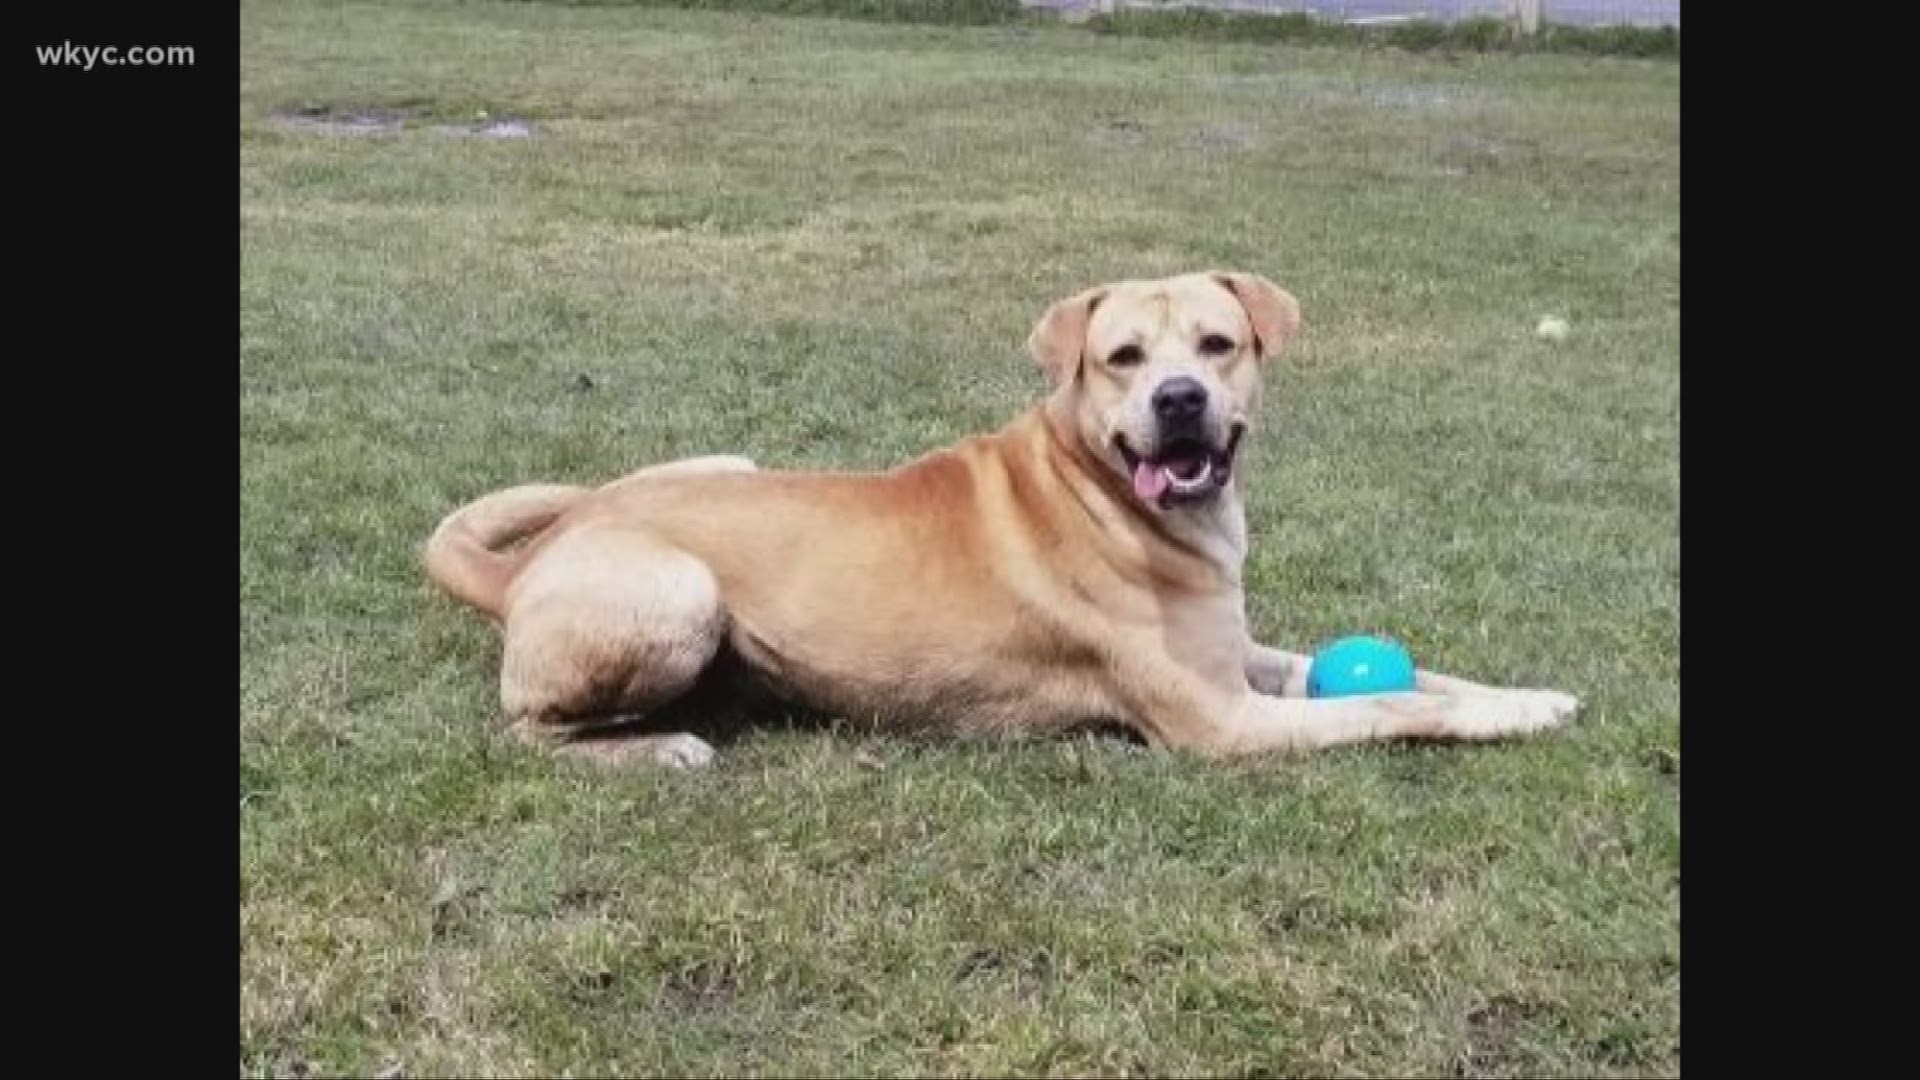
(1263, 724)
(1284, 674)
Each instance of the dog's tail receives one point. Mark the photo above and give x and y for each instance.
(466, 555)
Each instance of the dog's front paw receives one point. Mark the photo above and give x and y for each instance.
(1512, 712)
(1550, 708)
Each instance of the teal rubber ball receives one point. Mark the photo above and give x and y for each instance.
(1360, 665)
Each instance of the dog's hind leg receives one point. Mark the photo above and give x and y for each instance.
(607, 626)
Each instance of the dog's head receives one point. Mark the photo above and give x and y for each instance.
(1161, 379)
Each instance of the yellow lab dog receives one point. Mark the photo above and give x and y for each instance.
(1079, 567)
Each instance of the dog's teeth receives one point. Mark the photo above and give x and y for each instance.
(1199, 480)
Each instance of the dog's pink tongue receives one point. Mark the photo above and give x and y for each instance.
(1149, 481)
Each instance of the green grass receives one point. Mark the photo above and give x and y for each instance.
(823, 242)
(946, 12)
(1420, 35)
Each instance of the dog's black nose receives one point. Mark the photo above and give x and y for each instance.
(1179, 400)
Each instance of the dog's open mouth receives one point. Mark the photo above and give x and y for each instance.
(1182, 469)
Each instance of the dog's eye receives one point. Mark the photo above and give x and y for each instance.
(1126, 354)
(1216, 345)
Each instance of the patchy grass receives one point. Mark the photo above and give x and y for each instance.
(823, 242)
(1418, 35)
(1484, 34)
(943, 12)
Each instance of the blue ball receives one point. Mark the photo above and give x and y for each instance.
(1360, 665)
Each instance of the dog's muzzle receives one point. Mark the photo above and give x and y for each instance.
(1182, 466)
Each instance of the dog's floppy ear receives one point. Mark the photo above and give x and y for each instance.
(1060, 336)
(1273, 310)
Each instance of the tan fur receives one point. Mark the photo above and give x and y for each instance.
(464, 554)
(1012, 583)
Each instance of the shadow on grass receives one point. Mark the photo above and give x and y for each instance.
(731, 701)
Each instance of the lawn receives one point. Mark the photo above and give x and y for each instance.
(822, 242)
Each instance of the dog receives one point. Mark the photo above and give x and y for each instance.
(1080, 567)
